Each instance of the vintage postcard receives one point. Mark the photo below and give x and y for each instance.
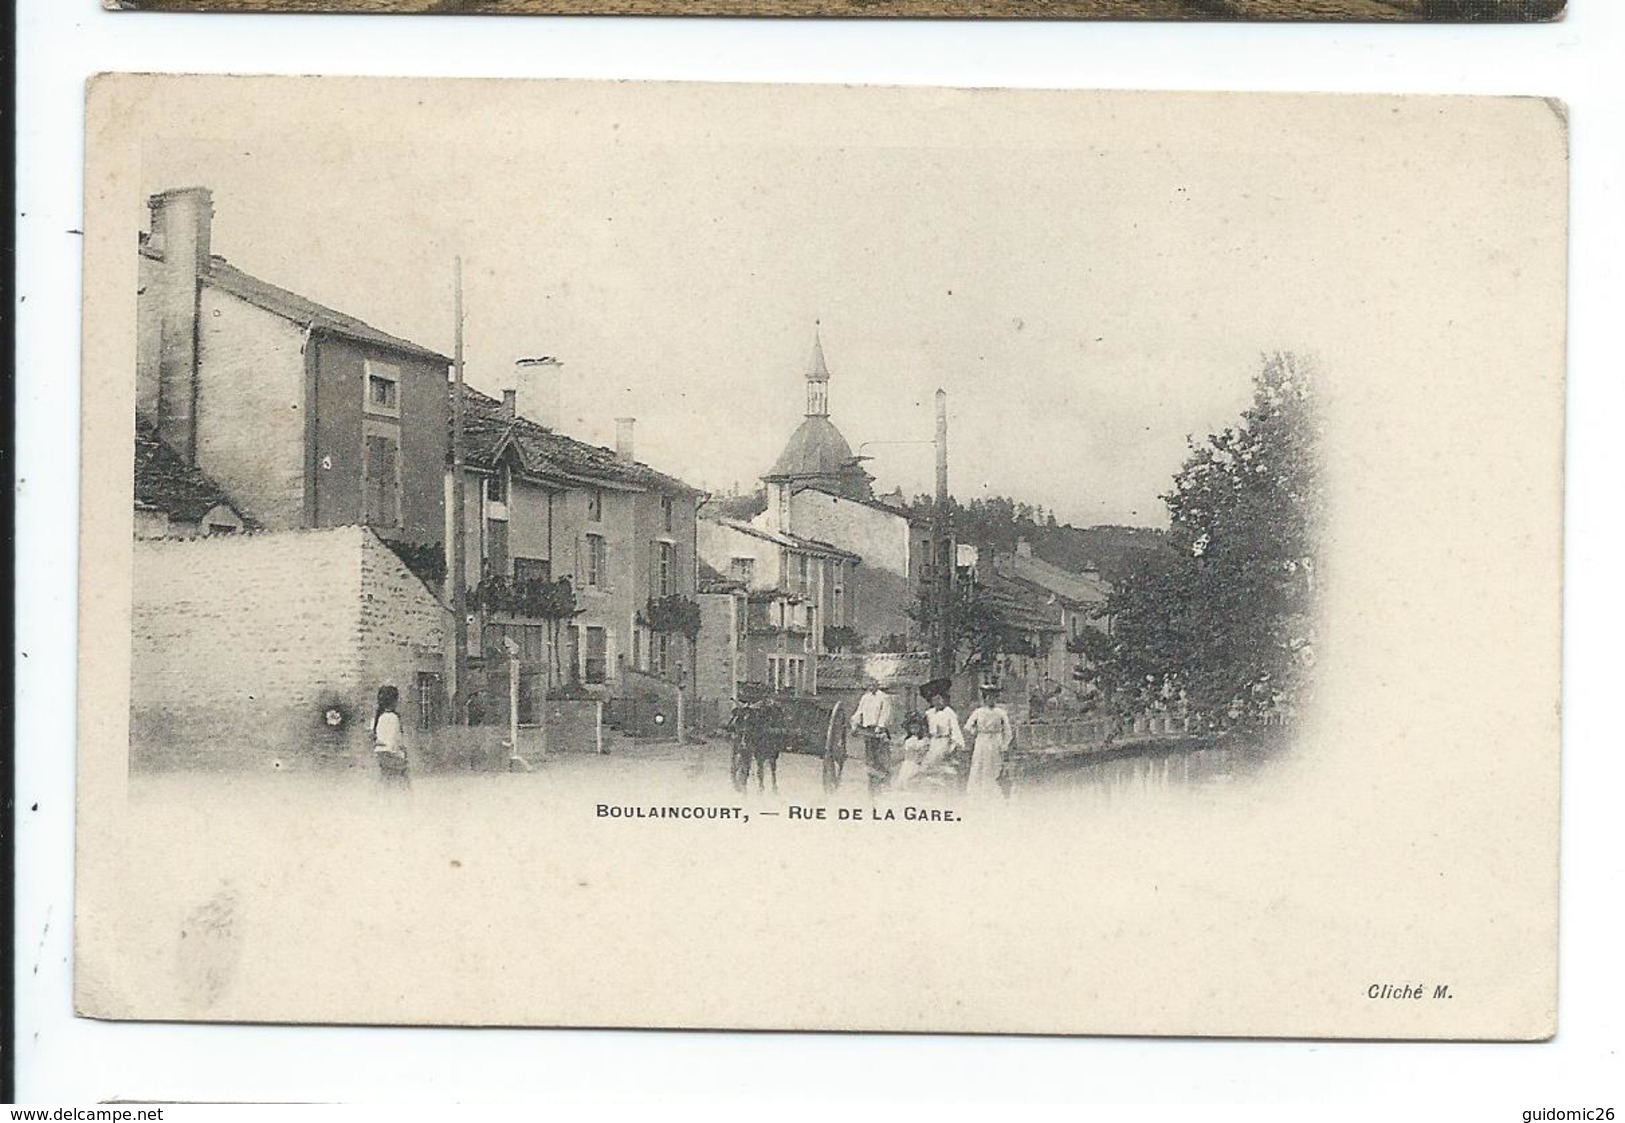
(821, 558)
(1495, 11)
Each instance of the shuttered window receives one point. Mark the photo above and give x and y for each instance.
(381, 480)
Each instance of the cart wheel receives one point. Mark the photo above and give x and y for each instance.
(834, 748)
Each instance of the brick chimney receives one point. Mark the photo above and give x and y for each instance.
(623, 439)
(510, 403)
(537, 391)
(181, 218)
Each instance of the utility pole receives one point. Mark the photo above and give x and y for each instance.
(943, 649)
(459, 545)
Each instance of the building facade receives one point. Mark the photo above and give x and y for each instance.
(798, 597)
(819, 490)
(581, 556)
(307, 417)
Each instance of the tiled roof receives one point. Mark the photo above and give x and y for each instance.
(779, 538)
(165, 482)
(1077, 588)
(301, 310)
(292, 306)
(1019, 604)
(488, 431)
(711, 580)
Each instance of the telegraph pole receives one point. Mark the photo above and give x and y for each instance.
(459, 546)
(943, 650)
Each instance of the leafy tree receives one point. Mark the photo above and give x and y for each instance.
(1224, 609)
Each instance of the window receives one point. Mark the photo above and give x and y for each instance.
(596, 669)
(660, 653)
(668, 513)
(595, 561)
(496, 488)
(383, 388)
(496, 546)
(595, 506)
(532, 569)
(428, 699)
(803, 573)
(742, 569)
(665, 569)
(381, 481)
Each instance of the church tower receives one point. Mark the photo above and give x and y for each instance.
(817, 455)
(817, 379)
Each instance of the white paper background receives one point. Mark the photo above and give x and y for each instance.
(61, 1058)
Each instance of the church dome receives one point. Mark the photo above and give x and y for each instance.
(816, 448)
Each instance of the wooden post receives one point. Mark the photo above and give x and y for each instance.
(943, 647)
(459, 563)
(513, 699)
(680, 715)
(598, 727)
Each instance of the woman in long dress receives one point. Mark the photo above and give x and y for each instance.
(941, 725)
(991, 734)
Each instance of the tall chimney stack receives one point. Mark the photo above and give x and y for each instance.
(623, 439)
(181, 218)
(537, 388)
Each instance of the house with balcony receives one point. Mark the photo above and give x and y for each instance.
(797, 598)
(581, 555)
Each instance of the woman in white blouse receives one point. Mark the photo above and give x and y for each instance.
(388, 748)
(941, 725)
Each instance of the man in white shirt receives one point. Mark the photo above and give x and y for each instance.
(872, 720)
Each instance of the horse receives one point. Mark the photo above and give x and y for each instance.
(755, 740)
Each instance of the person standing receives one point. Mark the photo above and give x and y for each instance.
(388, 746)
(872, 720)
(941, 724)
(992, 734)
(916, 743)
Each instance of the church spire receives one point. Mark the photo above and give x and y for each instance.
(817, 379)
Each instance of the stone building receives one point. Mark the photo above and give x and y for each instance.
(541, 508)
(306, 416)
(798, 595)
(818, 490)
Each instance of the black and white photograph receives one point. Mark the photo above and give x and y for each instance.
(829, 558)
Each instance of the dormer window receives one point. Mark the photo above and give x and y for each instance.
(383, 389)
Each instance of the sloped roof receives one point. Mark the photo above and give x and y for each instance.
(165, 482)
(779, 538)
(543, 453)
(1019, 605)
(835, 493)
(712, 580)
(300, 310)
(1078, 588)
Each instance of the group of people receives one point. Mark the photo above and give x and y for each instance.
(932, 741)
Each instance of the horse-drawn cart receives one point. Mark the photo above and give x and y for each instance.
(764, 725)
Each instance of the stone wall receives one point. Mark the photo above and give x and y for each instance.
(244, 643)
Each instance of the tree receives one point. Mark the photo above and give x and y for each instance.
(1224, 609)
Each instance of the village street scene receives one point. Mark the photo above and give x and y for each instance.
(366, 555)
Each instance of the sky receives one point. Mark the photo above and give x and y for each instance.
(1091, 279)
